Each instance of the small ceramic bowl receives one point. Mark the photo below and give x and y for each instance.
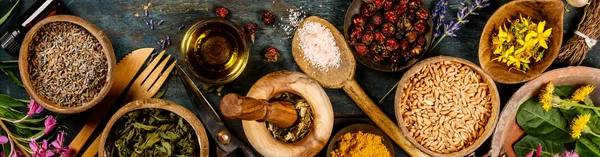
(539, 10)
(227, 31)
(24, 64)
(491, 122)
(509, 132)
(181, 111)
(354, 9)
(365, 128)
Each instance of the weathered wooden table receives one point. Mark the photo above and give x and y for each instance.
(127, 32)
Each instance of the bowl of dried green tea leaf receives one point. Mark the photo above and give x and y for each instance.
(153, 127)
(66, 64)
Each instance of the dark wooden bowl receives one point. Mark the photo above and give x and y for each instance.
(491, 123)
(550, 11)
(365, 128)
(24, 64)
(509, 132)
(181, 111)
(354, 9)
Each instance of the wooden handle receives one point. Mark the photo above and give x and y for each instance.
(280, 113)
(93, 148)
(381, 120)
(96, 116)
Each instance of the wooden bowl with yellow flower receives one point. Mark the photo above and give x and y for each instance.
(521, 128)
(521, 39)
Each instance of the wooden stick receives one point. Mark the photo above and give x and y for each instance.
(12, 138)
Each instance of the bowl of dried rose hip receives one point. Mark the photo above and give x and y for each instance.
(388, 35)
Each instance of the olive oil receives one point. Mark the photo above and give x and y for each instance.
(215, 51)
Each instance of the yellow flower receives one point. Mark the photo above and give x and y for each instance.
(581, 93)
(546, 96)
(542, 36)
(578, 125)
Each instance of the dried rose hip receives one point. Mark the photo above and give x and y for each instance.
(378, 3)
(368, 10)
(358, 20)
(391, 16)
(376, 49)
(386, 54)
(422, 14)
(379, 37)
(388, 29)
(416, 51)
(272, 54)
(407, 24)
(403, 2)
(376, 20)
(400, 8)
(388, 5)
(391, 44)
(222, 12)
(421, 41)
(421, 27)
(404, 45)
(250, 30)
(368, 37)
(395, 58)
(400, 34)
(370, 27)
(411, 36)
(406, 55)
(268, 17)
(356, 33)
(414, 5)
(361, 48)
(377, 58)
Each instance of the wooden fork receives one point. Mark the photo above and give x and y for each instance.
(145, 86)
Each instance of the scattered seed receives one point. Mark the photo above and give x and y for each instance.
(160, 22)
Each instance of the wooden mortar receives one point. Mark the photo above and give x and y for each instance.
(294, 82)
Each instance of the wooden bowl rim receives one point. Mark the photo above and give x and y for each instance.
(551, 52)
(492, 120)
(365, 128)
(181, 111)
(368, 62)
(499, 138)
(24, 64)
(323, 123)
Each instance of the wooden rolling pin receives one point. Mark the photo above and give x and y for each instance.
(281, 114)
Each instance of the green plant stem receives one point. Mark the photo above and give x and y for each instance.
(593, 133)
(569, 104)
(437, 41)
(387, 94)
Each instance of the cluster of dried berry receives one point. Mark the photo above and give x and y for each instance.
(390, 31)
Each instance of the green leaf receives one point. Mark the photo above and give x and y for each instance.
(145, 127)
(536, 122)
(13, 77)
(530, 143)
(19, 125)
(6, 100)
(588, 146)
(160, 94)
(10, 113)
(5, 17)
(564, 91)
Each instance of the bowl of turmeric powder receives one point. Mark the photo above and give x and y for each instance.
(360, 140)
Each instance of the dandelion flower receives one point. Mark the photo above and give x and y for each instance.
(581, 93)
(578, 125)
(546, 96)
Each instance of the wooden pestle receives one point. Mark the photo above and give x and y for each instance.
(281, 114)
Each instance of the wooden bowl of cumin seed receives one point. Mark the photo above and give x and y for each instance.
(66, 64)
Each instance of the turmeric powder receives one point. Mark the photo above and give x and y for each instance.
(360, 145)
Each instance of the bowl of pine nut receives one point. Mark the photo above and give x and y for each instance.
(447, 106)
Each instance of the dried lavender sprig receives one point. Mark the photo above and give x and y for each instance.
(160, 22)
(168, 40)
(146, 21)
(181, 26)
(151, 23)
(461, 19)
(146, 12)
(438, 15)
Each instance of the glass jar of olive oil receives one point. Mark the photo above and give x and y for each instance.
(215, 51)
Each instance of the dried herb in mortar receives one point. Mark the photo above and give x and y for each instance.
(152, 132)
(67, 64)
(302, 125)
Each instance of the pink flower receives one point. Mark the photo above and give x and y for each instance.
(34, 108)
(16, 154)
(538, 153)
(3, 140)
(58, 145)
(570, 154)
(49, 124)
(40, 151)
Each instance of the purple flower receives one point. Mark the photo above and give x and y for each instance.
(58, 145)
(3, 140)
(438, 15)
(40, 150)
(34, 108)
(49, 124)
(570, 154)
(461, 16)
